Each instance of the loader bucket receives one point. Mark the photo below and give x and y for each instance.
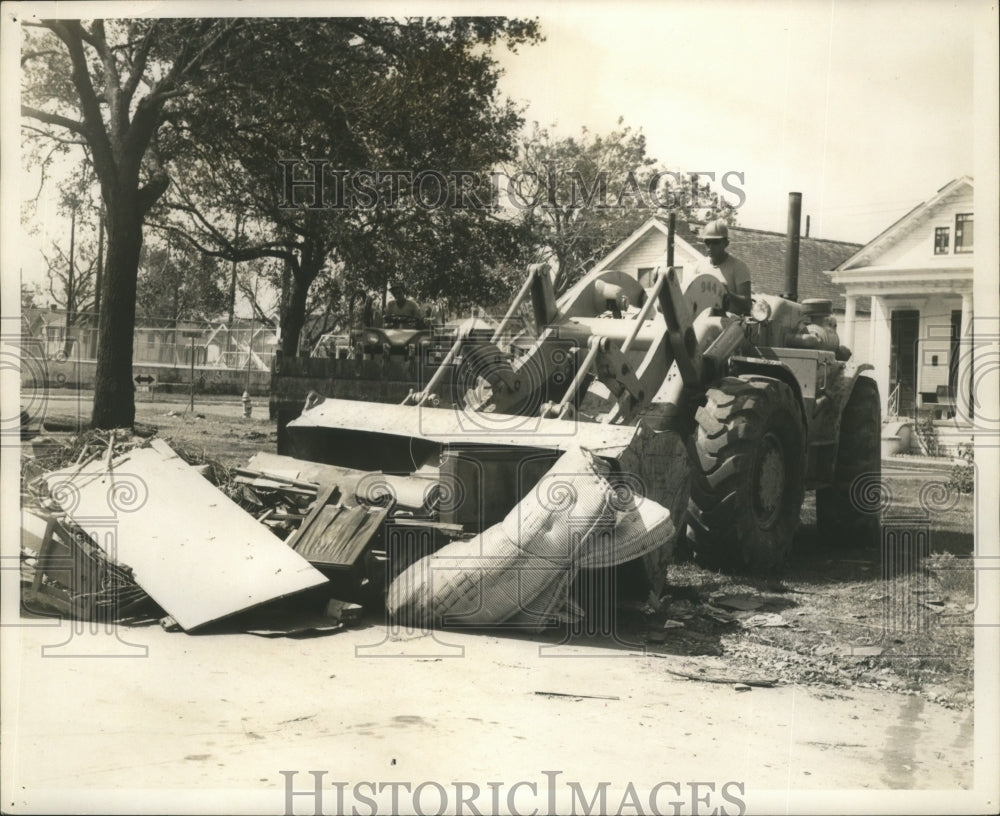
(512, 498)
(401, 439)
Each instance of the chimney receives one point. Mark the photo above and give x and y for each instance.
(807, 227)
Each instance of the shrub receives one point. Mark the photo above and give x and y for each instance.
(963, 476)
(927, 434)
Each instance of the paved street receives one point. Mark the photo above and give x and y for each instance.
(217, 717)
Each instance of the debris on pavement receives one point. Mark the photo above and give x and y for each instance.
(64, 572)
(577, 696)
(741, 603)
(290, 624)
(764, 619)
(711, 675)
(349, 614)
(195, 552)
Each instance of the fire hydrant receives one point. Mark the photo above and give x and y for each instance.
(247, 405)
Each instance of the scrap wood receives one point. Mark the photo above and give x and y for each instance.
(578, 696)
(266, 483)
(765, 682)
(328, 494)
(247, 473)
(314, 472)
(442, 526)
(337, 536)
(194, 551)
(291, 625)
(66, 570)
(284, 516)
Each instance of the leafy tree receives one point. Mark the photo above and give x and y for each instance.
(109, 86)
(177, 283)
(581, 196)
(399, 95)
(30, 292)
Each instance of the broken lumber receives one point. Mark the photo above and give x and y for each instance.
(192, 549)
(765, 682)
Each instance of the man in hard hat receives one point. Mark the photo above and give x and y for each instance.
(723, 265)
(402, 310)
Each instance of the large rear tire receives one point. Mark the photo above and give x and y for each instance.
(844, 510)
(748, 479)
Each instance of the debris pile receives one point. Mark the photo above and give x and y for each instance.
(63, 569)
(520, 569)
(176, 537)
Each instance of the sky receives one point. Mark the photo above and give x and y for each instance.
(866, 108)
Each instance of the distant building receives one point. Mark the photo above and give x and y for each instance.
(246, 343)
(918, 275)
(53, 335)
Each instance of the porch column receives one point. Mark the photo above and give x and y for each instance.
(966, 366)
(850, 311)
(880, 347)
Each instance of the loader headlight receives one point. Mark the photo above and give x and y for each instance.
(372, 339)
(760, 311)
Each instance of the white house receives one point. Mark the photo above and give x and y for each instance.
(918, 275)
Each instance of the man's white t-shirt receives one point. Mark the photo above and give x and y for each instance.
(732, 271)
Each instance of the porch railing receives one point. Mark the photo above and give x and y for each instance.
(892, 403)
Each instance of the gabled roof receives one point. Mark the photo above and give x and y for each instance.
(764, 252)
(900, 228)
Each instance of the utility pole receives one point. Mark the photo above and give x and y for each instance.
(191, 406)
(232, 292)
(247, 404)
(100, 263)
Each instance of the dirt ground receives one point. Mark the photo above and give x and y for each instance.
(831, 619)
(832, 676)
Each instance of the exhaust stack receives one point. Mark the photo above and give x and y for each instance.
(792, 247)
(671, 228)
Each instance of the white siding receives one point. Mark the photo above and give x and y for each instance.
(651, 252)
(916, 248)
(860, 351)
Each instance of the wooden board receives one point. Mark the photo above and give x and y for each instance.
(198, 554)
(337, 536)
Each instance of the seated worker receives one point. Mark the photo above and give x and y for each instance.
(401, 310)
(721, 264)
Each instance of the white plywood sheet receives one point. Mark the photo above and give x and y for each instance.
(197, 553)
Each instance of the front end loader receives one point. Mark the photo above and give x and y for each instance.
(723, 420)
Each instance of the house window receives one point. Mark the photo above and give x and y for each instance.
(963, 232)
(645, 275)
(941, 240)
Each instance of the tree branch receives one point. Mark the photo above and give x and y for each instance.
(138, 65)
(54, 119)
(71, 34)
